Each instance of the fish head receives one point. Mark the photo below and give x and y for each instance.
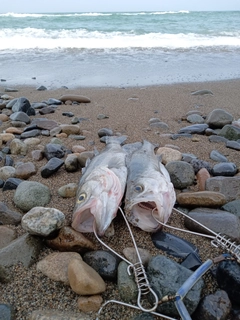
(149, 200)
(97, 201)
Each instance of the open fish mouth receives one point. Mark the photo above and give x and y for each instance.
(142, 216)
(83, 219)
(148, 205)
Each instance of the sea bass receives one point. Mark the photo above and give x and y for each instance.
(149, 191)
(101, 188)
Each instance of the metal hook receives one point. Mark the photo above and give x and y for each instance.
(217, 239)
(140, 275)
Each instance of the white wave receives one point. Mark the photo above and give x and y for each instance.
(151, 13)
(40, 15)
(171, 12)
(93, 14)
(31, 38)
(22, 15)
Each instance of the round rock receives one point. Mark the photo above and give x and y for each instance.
(31, 194)
(42, 221)
(181, 174)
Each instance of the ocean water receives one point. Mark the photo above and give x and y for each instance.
(119, 49)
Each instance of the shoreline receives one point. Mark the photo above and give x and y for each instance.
(56, 69)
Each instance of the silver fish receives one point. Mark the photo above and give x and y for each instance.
(149, 191)
(101, 188)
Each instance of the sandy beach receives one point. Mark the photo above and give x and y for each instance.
(128, 111)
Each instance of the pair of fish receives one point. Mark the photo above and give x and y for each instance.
(149, 192)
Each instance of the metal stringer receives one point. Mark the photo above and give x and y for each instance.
(140, 275)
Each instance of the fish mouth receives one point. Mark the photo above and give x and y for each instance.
(143, 215)
(96, 214)
(83, 219)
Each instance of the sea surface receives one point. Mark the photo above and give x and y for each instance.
(119, 48)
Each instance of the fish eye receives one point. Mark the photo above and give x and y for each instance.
(82, 197)
(138, 188)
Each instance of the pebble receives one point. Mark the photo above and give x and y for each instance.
(21, 104)
(54, 150)
(25, 249)
(233, 207)
(102, 116)
(68, 114)
(30, 194)
(37, 155)
(32, 141)
(51, 167)
(217, 139)
(229, 186)
(4, 117)
(7, 235)
(201, 199)
(160, 125)
(217, 220)
(11, 184)
(131, 255)
(25, 170)
(233, 145)
(226, 169)
(42, 221)
(214, 306)
(181, 174)
(228, 278)
(20, 116)
(104, 132)
(70, 240)
(91, 303)
(230, 132)
(7, 172)
(172, 244)
(166, 277)
(9, 161)
(126, 285)
(217, 156)
(7, 216)
(104, 262)
(7, 311)
(47, 110)
(18, 147)
(71, 163)
(55, 265)
(83, 279)
(52, 101)
(41, 88)
(195, 128)
(218, 118)
(199, 164)
(68, 190)
(5, 137)
(46, 124)
(195, 118)
(84, 156)
(78, 149)
(168, 154)
(202, 175)
(76, 137)
(70, 129)
(73, 97)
